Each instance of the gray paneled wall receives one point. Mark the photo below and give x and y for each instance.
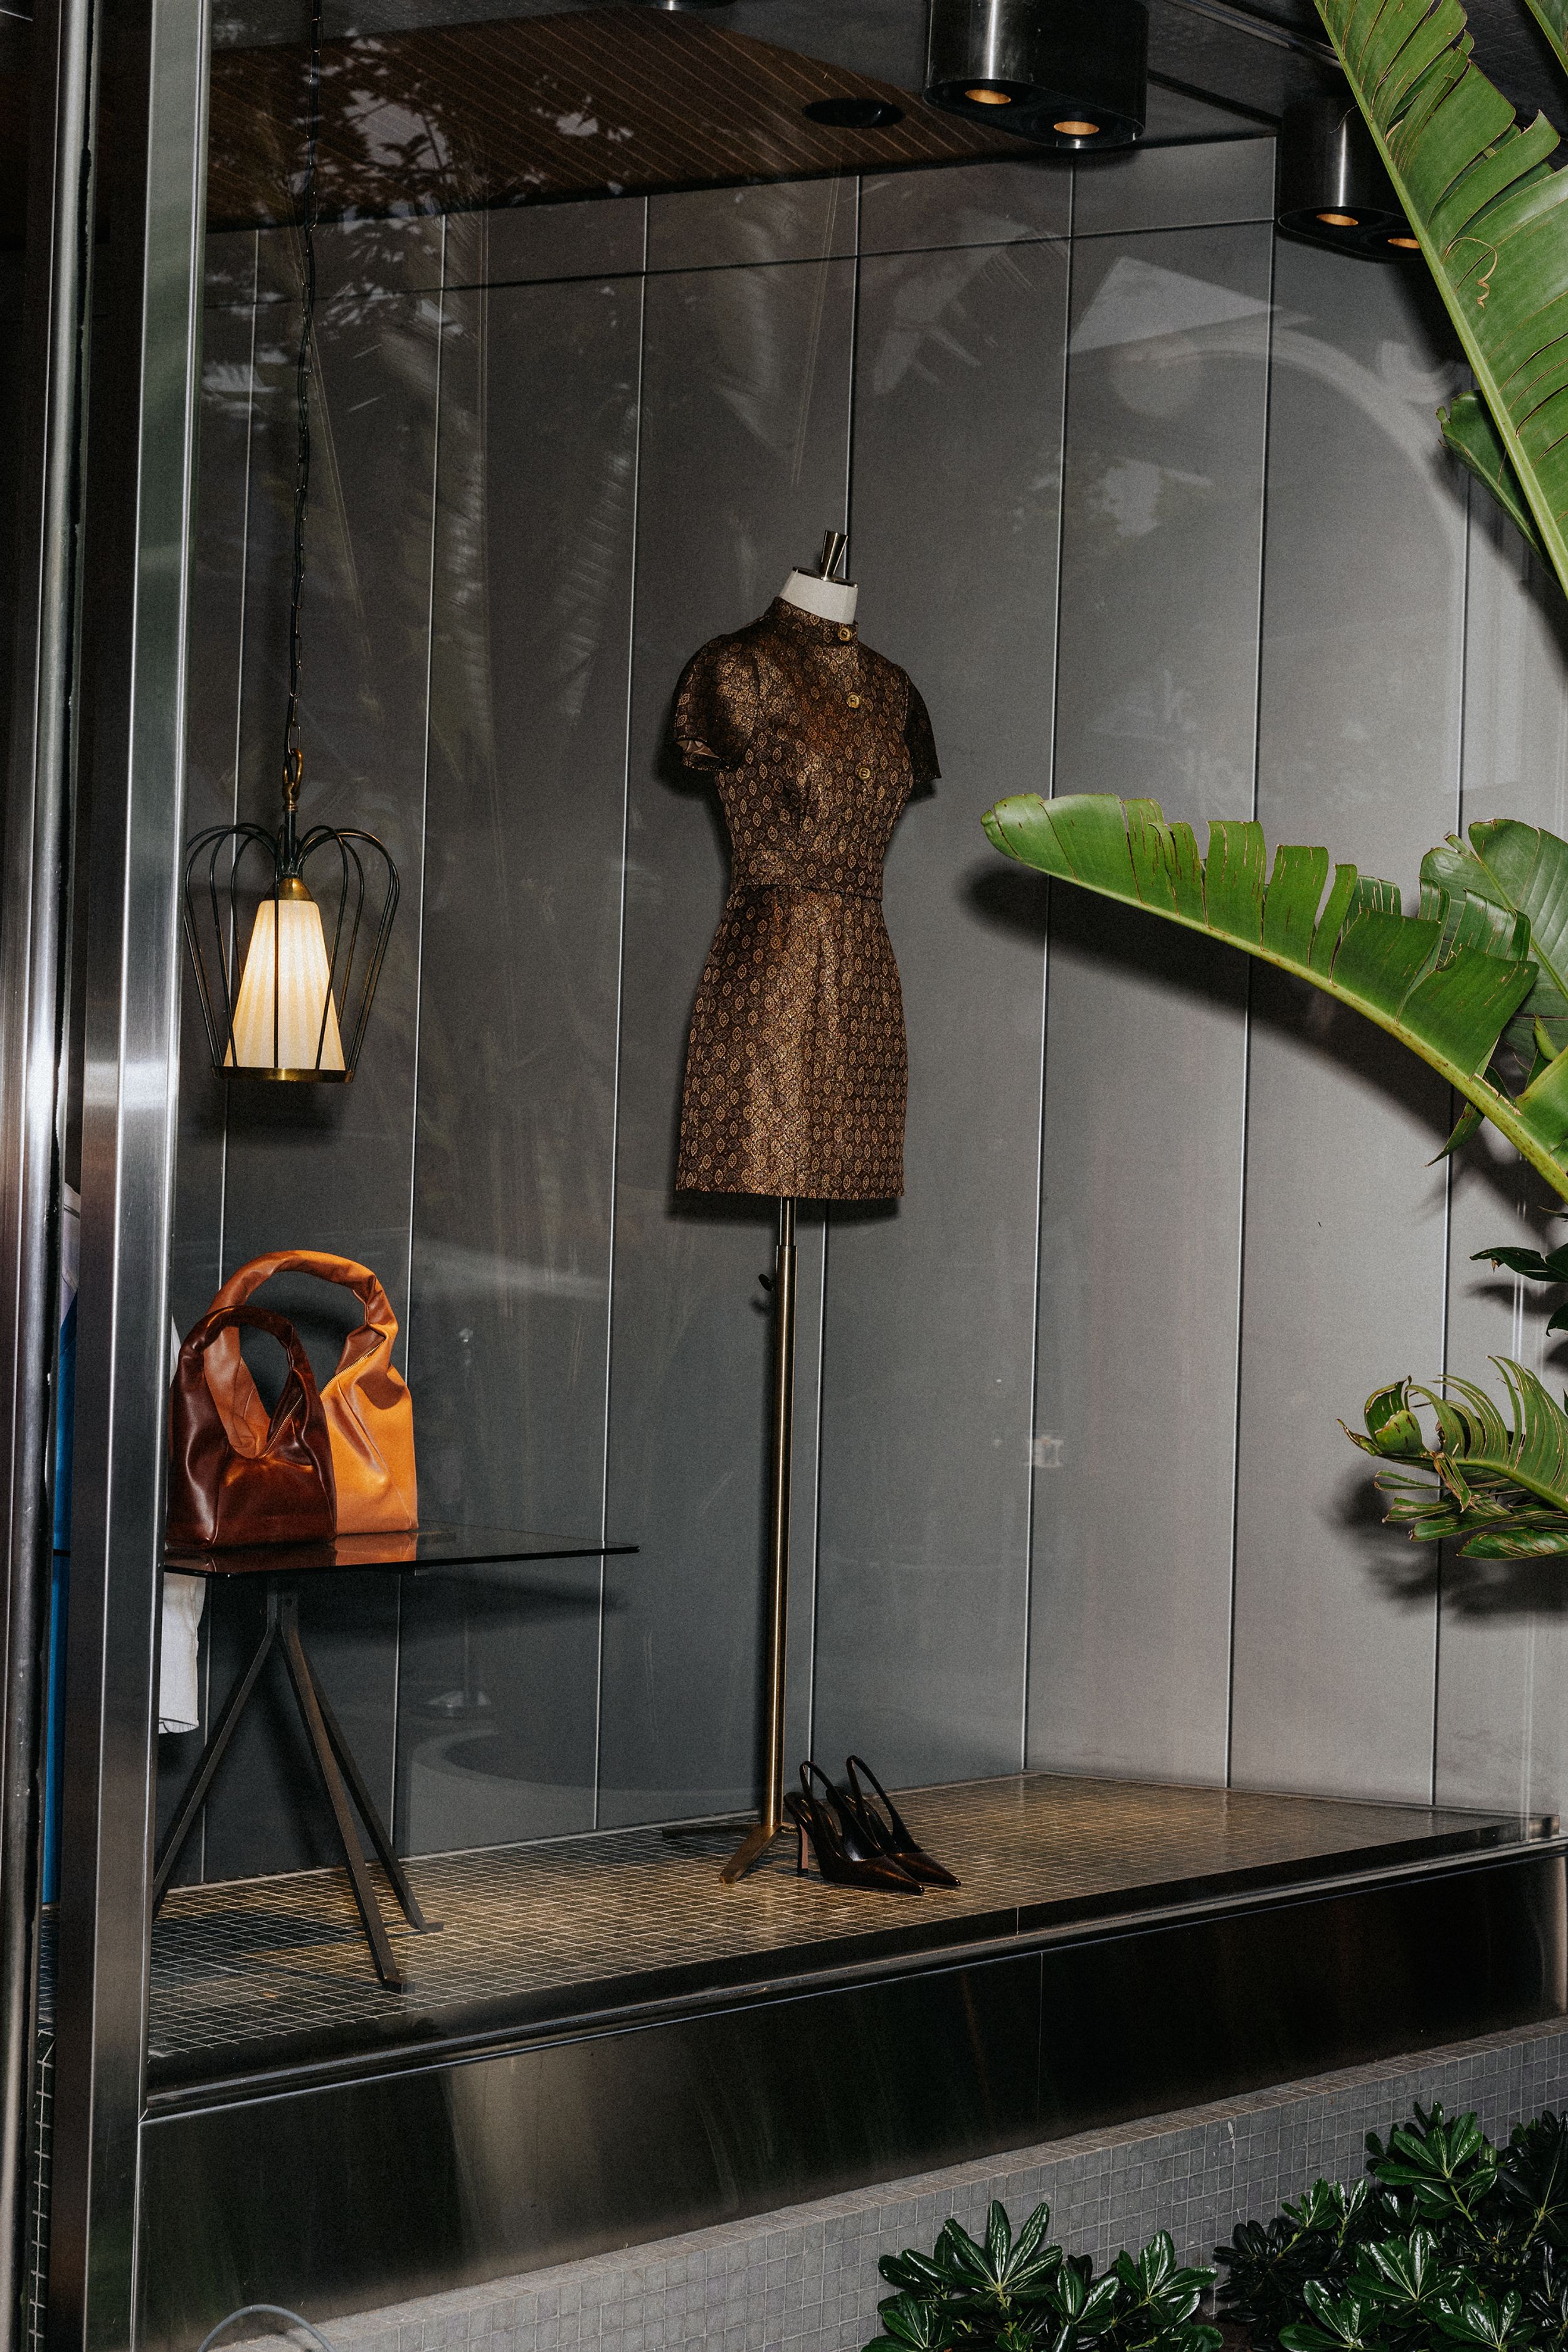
(1146, 503)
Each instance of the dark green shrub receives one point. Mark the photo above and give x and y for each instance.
(1020, 2294)
(1450, 2241)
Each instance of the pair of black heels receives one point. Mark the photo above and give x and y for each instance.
(859, 1839)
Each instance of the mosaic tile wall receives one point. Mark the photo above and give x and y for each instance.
(806, 2280)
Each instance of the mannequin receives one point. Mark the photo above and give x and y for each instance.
(829, 600)
(796, 1065)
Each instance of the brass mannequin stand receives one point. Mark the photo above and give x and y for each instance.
(755, 1845)
(756, 1842)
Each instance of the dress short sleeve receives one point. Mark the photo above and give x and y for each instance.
(921, 742)
(716, 705)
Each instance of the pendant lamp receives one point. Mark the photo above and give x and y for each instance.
(296, 1005)
(1068, 74)
(1333, 188)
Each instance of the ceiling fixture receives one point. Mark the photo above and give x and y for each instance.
(1069, 74)
(853, 113)
(1334, 190)
(299, 1008)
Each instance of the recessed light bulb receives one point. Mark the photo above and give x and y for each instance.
(1074, 130)
(1406, 243)
(988, 96)
(1339, 220)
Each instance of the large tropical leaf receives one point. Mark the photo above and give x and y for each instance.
(1501, 1484)
(1445, 983)
(1472, 439)
(1552, 15)
(1492, 217)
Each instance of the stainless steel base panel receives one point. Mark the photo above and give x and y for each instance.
(336, 2190)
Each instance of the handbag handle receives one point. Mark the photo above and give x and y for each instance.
(196, 1350)
(366, 1359)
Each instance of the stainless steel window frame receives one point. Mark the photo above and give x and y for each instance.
(153, 55)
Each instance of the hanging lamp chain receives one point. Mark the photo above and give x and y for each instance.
(293, 758)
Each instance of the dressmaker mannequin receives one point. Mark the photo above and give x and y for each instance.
(828, 600)
(796, 1071)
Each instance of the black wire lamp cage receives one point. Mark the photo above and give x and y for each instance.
(294, 1007)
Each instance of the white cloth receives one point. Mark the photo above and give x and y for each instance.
(179, 1683)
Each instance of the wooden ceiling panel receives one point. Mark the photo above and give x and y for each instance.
(608, 102)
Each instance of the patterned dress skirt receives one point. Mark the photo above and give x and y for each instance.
(796, 1068)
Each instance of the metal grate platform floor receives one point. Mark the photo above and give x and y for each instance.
(258, 1973)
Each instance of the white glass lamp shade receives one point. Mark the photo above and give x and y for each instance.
(286, 946)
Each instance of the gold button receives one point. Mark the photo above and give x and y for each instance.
(864, 774)
(854, 702)
(846, 634)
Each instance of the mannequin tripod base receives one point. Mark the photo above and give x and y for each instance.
(750, 1850)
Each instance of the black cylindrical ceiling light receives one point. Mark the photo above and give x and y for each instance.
(1333, 188)
(1069, 74)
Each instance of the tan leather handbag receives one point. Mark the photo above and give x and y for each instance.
(369, 1411)
(234, 1482)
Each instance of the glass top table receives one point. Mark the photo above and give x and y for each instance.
(437, 1546)
(284, 1568)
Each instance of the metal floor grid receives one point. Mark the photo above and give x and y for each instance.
(257, 1973)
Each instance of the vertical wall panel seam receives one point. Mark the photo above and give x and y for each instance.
(811, 1615)
(1030, 1473)
(419, 947)
(620, 1016)
(1246, 1027)
(1448, 1164)
(205, 1677)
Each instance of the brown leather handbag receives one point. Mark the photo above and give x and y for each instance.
(233, 1482)
(369, 1413)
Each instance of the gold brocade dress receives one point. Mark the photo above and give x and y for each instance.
(796, 1066)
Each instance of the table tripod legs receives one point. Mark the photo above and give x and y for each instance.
(330, 1751)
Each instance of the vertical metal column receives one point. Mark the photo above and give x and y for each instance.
(141, 490)
(32, 930)
(756, 1842)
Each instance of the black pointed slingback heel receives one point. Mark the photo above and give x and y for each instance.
(844, 1855)
(884, 1830)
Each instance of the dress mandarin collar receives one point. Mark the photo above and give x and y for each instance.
(830, 632)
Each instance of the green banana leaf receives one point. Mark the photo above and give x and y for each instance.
(1503, 1489)
(1505, 870)
(1471, 436)
(1491, 218)
(1552, 15)
(1445, 983)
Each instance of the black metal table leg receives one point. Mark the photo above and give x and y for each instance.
(309, 1704)
(330, 1750)
(212, 1755)
(378, 1834)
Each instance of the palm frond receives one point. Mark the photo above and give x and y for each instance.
(1491, 218)
(1499, 1483)
(1445, 983)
